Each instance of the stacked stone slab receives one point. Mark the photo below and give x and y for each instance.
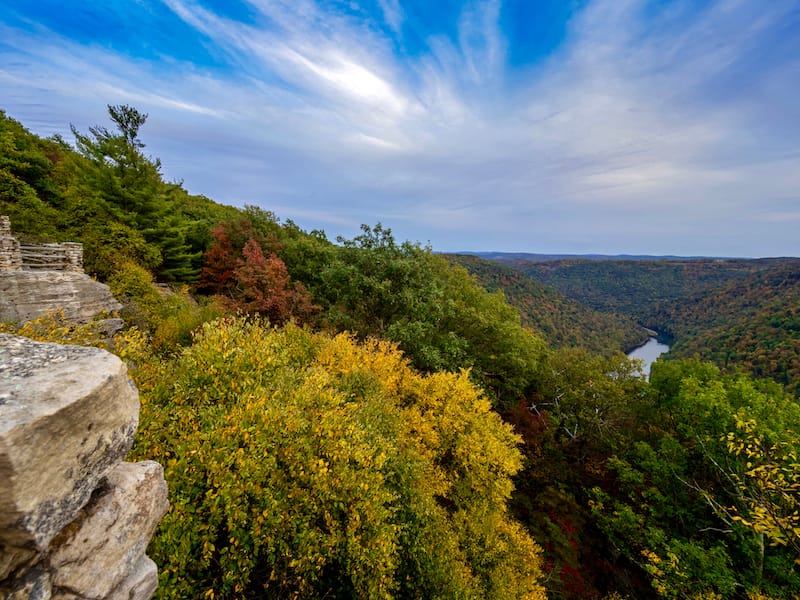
(74, 519)
(10, 250)
(69, 254)
(73, 256)
(26, 294)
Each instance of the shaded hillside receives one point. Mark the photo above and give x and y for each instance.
(559, 319)
(753, 323)
(535, 257)
(634, 286)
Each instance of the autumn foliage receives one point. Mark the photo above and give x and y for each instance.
(302, 465)
(376, 463)
(249, 282)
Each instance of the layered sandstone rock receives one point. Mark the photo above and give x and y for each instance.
(10, 249)
(25, 295)
(74, 519)
(102, 552)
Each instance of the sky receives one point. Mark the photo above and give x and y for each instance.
(549, 126)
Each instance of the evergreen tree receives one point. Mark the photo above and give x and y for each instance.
(133, 183)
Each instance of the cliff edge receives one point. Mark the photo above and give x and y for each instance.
(75, 520)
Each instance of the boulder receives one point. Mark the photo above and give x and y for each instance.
(67, 418)
(142, 583)
(35, 584)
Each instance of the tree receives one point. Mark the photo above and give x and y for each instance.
(219, 264)
(128, 120)
(128, 180)
(27, 187)
(264, 288)
(709, 476)
(767, 488)
(168, 233)
(125, 175)
(439, 314)
(236, 269)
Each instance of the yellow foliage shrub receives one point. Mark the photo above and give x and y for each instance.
(302, 465)
(54, 327)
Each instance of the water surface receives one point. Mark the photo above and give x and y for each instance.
(648, 352)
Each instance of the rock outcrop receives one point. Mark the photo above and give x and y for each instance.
(74, 519)
(25, 295)
(38, 279)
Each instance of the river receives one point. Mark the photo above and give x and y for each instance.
(649, 352)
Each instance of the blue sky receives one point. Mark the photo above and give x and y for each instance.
(613, 126)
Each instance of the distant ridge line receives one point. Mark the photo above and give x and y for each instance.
(551, 257)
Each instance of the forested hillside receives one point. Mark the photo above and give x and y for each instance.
(751, 324)
(633, 287)
(737, 313)
(363, 419)
(108, 195)
(559, 319)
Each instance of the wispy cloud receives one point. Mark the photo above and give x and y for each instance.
(652, 127)
(393, 15)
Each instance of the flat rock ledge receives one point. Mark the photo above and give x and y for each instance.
(75, 520)
(25, 295)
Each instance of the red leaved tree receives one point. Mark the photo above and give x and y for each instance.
(236, 269)
(219, 264)
(264, 287)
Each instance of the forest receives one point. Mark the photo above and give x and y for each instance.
(561, 320)
(741, 314)
(366, 418)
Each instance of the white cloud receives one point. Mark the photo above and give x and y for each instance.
(481, 43)
(392, 14)
(675, 117)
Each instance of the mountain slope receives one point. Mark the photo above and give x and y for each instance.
(753, 324)
(559, 319)
(634, 286)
